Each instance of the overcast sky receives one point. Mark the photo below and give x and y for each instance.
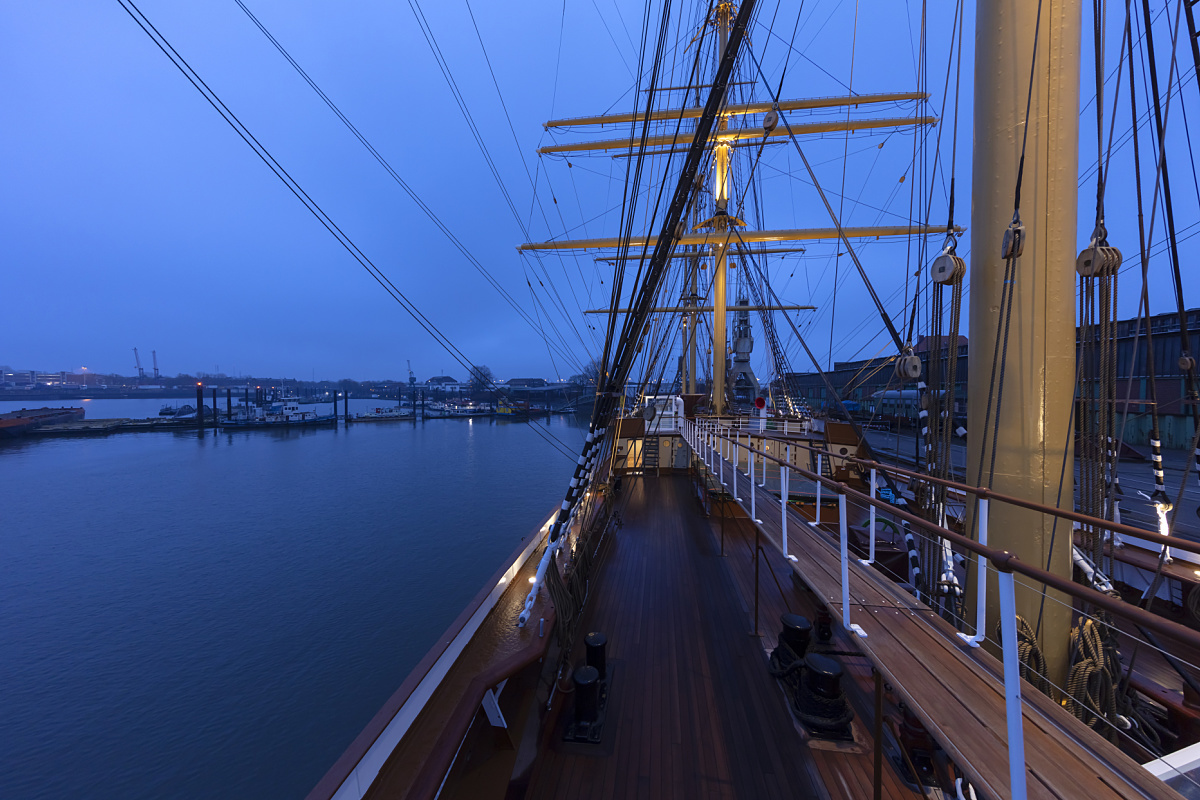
(132, 215)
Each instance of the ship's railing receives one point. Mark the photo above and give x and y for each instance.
(724, 449)
(788, 426)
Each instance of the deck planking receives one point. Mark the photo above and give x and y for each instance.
(694, 712)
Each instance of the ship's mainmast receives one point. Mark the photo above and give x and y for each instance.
(720, 223)
(1029, 376)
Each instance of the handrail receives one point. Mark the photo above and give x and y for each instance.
(433, 771)
(1003, 560)
(991, 494)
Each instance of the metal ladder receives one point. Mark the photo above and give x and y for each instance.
(650, 454)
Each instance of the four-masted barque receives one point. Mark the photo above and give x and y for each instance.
(741, 601)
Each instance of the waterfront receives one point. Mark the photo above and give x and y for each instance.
(219, 615)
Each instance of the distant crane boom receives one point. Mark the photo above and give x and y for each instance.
(138, 360)
(154, 358)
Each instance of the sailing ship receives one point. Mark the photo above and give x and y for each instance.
(738, 597)
(746, 601)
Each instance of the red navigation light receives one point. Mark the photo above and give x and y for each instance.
(760, 403)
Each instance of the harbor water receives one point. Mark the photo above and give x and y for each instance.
(218, 615)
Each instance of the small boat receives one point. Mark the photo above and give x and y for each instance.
(167, 410)
(283, 413)
(383, 415)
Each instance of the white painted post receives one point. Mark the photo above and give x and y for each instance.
(1012, 686)
(817, 521)
(981, 514)
(753, 494)
(785, 427)
(766, 449)
(735, 462)
(721, 462)
(784, 494)
(844, 529)
(871, 524)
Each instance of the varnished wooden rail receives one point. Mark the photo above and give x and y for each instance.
(706, 438)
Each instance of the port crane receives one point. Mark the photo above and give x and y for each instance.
(154, 358)
(412, 384)
(141, 372)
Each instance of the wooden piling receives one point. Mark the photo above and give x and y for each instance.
(200, 407)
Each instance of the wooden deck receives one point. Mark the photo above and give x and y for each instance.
(694, 714)
(956, 690)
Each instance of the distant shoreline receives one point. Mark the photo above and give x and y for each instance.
(98, 394)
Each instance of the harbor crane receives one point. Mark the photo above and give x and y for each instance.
(138, 359)
(154, 358)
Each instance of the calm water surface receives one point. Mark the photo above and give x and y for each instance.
(218, 616)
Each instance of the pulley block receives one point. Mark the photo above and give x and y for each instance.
(1014, 240)
(770, 121)
(947, 268)
(1097, 260)
(908, 366)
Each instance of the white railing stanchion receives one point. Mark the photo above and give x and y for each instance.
(753, 493)
(784, 496)
(844, 529)
(871, 524)
(737, 460)
(981, 515)
(766, 449)
(721, 459)
(1012, 686)
(817, 520)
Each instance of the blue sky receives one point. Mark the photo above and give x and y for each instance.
(131, 214)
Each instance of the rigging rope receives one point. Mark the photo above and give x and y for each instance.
(614, 378)
(294, 187)
(421, 204)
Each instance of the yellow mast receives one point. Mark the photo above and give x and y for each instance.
(720, 225)
(1034, 420)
